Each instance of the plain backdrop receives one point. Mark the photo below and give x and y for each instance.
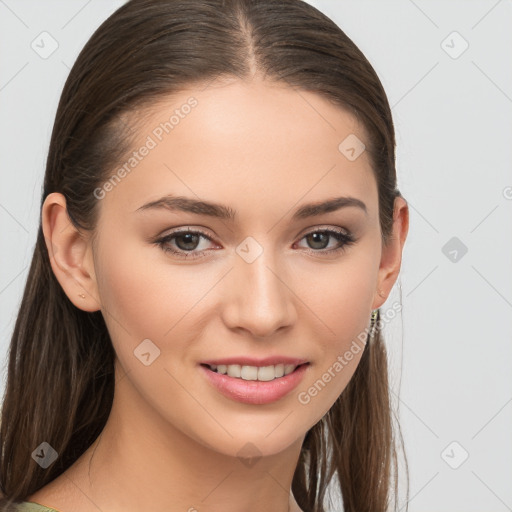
(446, 69)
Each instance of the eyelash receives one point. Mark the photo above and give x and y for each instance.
(346, 239)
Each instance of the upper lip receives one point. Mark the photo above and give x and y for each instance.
(253, 361)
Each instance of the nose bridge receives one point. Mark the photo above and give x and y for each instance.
(260, 301)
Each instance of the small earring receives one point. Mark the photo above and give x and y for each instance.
(375, 314)
(81, 295)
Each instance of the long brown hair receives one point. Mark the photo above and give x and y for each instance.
(60, 380)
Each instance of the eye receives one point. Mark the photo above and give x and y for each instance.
(187, 241)
(320, 238)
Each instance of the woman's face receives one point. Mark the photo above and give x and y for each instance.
(257, 281)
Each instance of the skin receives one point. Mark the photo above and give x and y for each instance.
(171, 441)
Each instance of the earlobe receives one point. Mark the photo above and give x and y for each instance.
(69, 253)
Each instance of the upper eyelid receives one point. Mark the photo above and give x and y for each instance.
(180, 231)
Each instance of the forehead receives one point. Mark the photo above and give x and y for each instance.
(246, 144)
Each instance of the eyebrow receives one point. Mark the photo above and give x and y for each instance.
(190, 205)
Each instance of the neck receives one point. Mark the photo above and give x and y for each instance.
(142, 462)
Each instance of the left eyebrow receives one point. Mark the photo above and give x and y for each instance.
(211, 209)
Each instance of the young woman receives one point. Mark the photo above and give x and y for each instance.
(220, 223)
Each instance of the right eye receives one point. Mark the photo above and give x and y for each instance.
(186, 242)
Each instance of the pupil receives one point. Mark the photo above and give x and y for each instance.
(188, 236)
(317, 238)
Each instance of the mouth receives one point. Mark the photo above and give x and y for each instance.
(254, 373)
(255, 385)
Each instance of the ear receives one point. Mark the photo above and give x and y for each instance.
(70, 254)
(391, 258)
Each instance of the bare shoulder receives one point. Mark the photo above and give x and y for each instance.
(66, 492)
(49, 496)
(60, 494)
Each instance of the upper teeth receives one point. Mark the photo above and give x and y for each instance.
(254, 372)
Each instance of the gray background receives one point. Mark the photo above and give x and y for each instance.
(450, 348)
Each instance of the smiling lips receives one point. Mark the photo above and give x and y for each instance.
(262, 373)
(246, 368)
(255, 381)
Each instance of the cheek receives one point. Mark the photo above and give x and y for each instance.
(340, 298)
(340, 301)
(142, 296)
(128, 291)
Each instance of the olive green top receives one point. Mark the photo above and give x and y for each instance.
(30, 506)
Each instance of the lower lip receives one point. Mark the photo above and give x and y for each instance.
(255, 391)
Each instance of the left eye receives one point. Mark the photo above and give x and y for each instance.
(187, 241)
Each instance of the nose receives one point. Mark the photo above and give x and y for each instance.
(259, 295)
